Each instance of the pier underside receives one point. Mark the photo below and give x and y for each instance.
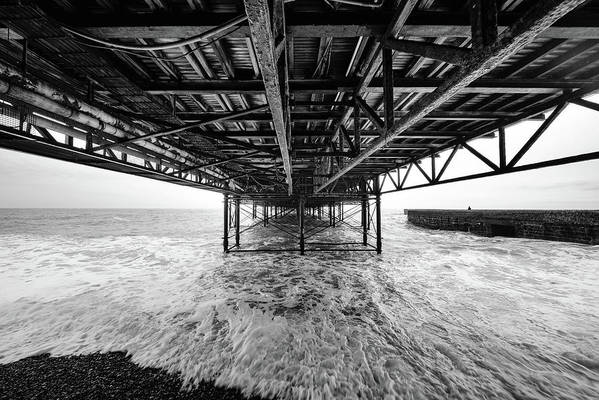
(304, 224)
(301, 113)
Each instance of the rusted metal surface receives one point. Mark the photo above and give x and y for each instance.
(299, 97)
(540, 17)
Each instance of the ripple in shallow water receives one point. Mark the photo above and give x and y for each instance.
(467, 317)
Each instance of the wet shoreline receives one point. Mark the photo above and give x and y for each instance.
(99, 376)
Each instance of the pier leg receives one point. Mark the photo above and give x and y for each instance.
(226, 224)
(253, 210)
(364, 215)
(379, 241)
(237, 222)
(265, 214)
(502, 160)
(368, 220)
(333, 214)
(301, 224)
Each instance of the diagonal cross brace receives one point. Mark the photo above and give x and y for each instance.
(184, 128)
(541, 16)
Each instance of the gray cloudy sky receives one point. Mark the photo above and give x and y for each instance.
(31, 181)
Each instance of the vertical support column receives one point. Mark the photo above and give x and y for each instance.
(377, 190)
(357, 138)
(368, 220)
(237, 222)
(253, 210)
(433, 167)
(483, 20)
(388, 87)
(330, 215)
(88, 142)
(333, 213)
(226, 224)
(341, 147)
(364, 216)
(502, 159)
(265, 214)
(301, 224)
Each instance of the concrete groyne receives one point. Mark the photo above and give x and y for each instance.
(579, 226)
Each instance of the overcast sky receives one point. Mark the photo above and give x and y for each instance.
(31, 181)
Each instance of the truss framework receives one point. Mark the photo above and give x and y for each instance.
(505, 165)
(300, 227)
(279, 102)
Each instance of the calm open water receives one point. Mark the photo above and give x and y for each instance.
(438, 315)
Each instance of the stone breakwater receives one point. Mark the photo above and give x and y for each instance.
(578, 226)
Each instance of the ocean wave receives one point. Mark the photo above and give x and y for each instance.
(466, 317)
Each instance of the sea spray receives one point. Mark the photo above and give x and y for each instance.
(439, 314)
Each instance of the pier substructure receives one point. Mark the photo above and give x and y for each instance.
(267, 138)
(303, 223)
(226, 223)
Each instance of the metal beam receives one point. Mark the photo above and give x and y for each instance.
(544, 126)
(540, 17)
(529, 111)
(334, 86)
(449, 54)
(263, 37)
(307, 24)
(585, 103)
(303, 133)
(299, 116)
(212, 120)
(370, 113)
(501, 171)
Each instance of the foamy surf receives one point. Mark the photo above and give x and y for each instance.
(469, 317)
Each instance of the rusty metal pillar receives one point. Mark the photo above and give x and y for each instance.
(333, 213)
(377, 190)
(237, 222)
(226, 224)
(502, 159)
(330, 215)
(265, 214)
(388, 88)
(364, 214)
(301, 224)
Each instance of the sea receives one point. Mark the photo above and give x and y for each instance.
(438, 315)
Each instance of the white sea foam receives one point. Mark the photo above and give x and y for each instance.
(438, 315)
